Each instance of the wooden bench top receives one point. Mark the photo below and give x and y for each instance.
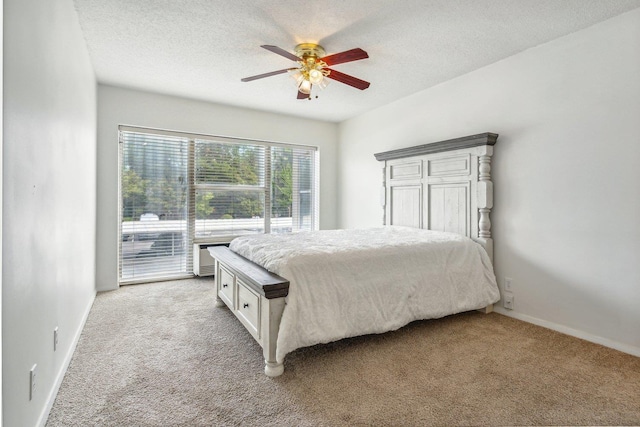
(261, 280)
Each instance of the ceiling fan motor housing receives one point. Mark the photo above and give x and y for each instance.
(307, 50)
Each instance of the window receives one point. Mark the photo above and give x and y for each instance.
(230, 187)
(176, 189)
(292, 190)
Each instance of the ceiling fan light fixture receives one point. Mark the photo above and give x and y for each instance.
(305, 86)
(315, 76)
(323, 83)
(296, 74)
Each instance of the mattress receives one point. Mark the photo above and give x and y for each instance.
(345, 283)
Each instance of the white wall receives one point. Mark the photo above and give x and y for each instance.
(566, 220)
(118, 106)
(1, 132)
(49, 199)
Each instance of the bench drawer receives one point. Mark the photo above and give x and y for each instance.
(226, 284)
(248, 308)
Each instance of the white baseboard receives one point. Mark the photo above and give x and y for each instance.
(65, 365)
(625, 348)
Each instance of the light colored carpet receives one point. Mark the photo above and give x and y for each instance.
(162, 355)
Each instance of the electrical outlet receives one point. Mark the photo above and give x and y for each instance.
(507, 301)
(508, 281)
(32, 381)
(55, 338)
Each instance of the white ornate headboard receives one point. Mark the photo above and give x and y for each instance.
(444, 186)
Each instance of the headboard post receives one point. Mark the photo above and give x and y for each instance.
(485, 201)
(443, 186)
(383, 192)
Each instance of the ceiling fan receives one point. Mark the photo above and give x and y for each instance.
(313, 67)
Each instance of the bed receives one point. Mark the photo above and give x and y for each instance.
(431, 258)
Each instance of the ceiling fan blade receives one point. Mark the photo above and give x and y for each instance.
(346, 56)
(302, 95)
(347, 79)
(261, 76)
(281, 52)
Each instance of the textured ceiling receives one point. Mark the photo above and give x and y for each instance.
(202, 48)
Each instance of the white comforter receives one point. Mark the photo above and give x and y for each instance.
(345, 283)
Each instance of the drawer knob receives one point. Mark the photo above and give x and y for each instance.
(225, 285)
(246, 305)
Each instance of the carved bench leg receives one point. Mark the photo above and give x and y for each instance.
(273, 369)
(271, 315)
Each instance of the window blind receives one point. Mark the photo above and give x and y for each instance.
(154, 195)
(230, 188)
(253, 188)
(293, 189)
(178, 188)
